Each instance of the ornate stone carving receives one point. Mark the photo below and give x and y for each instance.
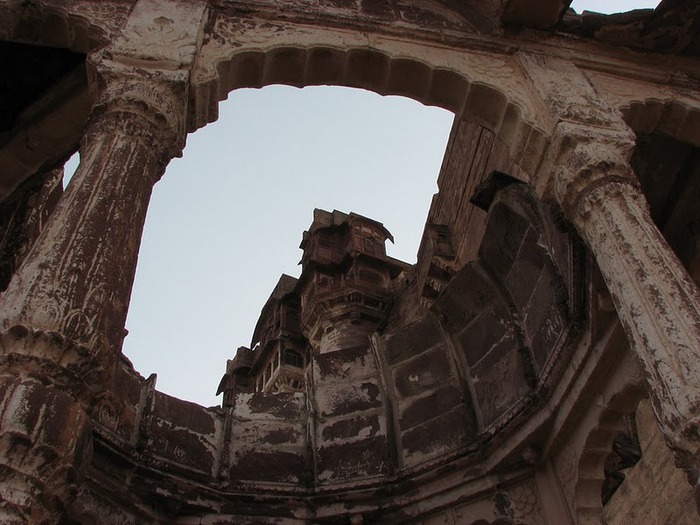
(63, 364)
(43, 450)
(161, 33)
(525, 504)
(581, 158)
(568, 94)
(156, 97)
(23, 216)
(136, 126)
(655, 298)
(253, 51)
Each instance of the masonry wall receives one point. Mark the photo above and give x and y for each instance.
(472, 153)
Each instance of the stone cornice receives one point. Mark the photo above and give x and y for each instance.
(585, 53)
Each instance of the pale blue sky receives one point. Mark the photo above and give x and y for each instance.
(226, 219)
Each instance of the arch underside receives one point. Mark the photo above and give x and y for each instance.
(485, 88)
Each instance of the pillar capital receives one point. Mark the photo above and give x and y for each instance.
(590, 144)
(145, 71)
(582, 158)
(155, 97)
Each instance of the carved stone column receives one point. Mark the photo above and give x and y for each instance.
(656, 299)
(62, 316)
(77, 279)
(587, 172)
(23, 216)
(64, 311)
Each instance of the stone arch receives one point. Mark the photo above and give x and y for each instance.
(669, 116)
(482, 100)
(588, 507)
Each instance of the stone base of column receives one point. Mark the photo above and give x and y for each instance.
(44, 445)
(62, 363)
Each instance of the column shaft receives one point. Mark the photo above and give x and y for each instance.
(77, 279)
(658, 305)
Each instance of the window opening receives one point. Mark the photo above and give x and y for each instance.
(293, 358)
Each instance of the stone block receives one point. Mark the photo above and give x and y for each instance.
(182, 414)
(504, 234)
(360, 459)
(437, 402)
(181, 447)
(182, 433)
(267, 434)
(345, 398)
(548, 335)
(503, 365)
(263, 406)
(467, 295)
(413, 339)
(351, 429)
(485, 332)
(358, 362)
(119, 413)
(267, 465)
(437, 436)
(526, 269)
(267, 438)
(426, 372)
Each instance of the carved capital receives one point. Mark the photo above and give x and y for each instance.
(145, 71)
(580, 159)
(567, 92)
(155, 98)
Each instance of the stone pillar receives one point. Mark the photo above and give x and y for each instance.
(62, 316)
(586, 170)
(64, 310)
(656, 300)
(22, 217)
(77, 279)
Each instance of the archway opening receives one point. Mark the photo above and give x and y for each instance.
(226, 219)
